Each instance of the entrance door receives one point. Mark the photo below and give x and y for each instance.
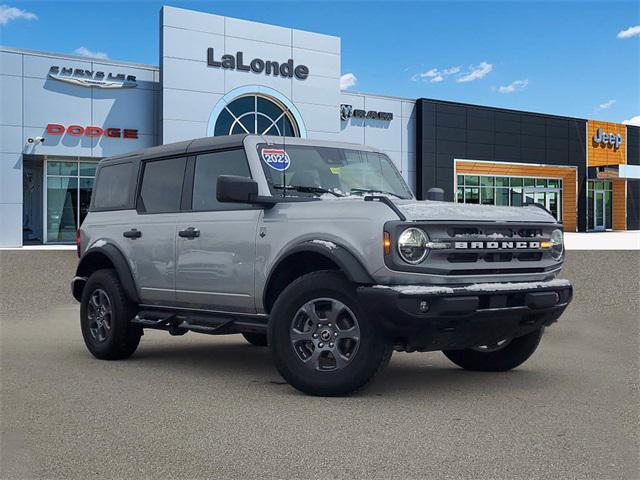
(600, 211)
(32, 201)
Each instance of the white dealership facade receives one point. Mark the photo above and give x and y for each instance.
(60, 114)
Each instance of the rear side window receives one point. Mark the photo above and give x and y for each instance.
(209, 167)
(113, 187)
(161, 188)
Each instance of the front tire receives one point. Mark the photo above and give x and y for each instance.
(105, 318)
(320, 338)
(497, 358)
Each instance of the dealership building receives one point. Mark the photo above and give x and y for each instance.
(61, 114)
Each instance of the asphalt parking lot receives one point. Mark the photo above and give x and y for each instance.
(200, 406)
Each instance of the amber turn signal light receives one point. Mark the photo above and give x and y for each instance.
(386, 243)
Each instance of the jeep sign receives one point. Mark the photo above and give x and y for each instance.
(613, 139)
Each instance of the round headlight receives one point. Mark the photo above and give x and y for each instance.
(557, 244)
(412, 245)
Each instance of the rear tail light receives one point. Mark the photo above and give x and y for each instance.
(78, 247)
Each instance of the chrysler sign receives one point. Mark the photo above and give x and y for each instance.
(258, 65)
(91, 78)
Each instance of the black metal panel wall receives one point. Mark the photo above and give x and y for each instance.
(449, 130)
(633, 186)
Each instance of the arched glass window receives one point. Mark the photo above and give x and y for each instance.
(255, 113)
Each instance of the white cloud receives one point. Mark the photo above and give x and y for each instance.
(605, 105)
(435, 75)
(633, 121)
(514, 86)
(348, 80)
(85, 52)
(629, 32)
(8, 13)
(475, 72)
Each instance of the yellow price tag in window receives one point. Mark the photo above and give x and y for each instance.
(335, 170)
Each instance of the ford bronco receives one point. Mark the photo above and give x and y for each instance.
(316, 249)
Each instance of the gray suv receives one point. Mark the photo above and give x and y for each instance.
(318, 250)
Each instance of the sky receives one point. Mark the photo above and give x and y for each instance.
(574, 58)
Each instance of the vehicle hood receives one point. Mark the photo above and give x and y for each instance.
(445, 211)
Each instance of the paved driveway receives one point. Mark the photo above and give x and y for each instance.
(200, 406)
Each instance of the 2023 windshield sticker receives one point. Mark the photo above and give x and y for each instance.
(276, 158)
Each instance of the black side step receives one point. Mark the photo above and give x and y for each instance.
(180, 322)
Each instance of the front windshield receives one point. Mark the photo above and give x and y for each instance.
(333, 172)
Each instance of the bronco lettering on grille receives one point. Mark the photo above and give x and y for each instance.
(496, 245)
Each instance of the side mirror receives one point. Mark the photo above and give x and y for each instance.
(435, 194)
(236, 189)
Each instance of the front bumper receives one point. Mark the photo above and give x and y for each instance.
(437, 317)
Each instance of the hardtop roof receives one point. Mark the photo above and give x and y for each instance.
(221, 142)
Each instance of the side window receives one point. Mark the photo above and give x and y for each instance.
(113, 186)
(161, 188)
(209, 167)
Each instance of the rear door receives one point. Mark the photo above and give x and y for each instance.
(151, 236)
(216, 242)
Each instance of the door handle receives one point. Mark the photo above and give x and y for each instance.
(190, 232)
(133, 233)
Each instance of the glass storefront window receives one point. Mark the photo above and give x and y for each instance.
(516, 197)
(62, 168)
(88, 169)
(502, 196)
(69, 185)
(62, 208)
(511, 191)
(516, 182)
(487, 196)
(471, 180)
(486, 181)
(471, 195)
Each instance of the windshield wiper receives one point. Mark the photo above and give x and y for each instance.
(373, 190)
(304, 189)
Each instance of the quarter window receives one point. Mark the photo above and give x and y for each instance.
(161, 189)
(208, 168)
(112, 190)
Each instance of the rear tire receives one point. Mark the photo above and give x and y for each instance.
(513, 354)
(320, 338)
(257, 339)
(105, 318)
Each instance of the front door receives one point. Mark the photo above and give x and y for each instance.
(216, 241)
(600, 211)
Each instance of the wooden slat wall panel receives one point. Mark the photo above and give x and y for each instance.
(598, 154)
(568, 175)
(619, 207)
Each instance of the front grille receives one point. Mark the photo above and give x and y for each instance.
(498, 252)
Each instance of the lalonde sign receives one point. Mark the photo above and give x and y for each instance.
(258, 65)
